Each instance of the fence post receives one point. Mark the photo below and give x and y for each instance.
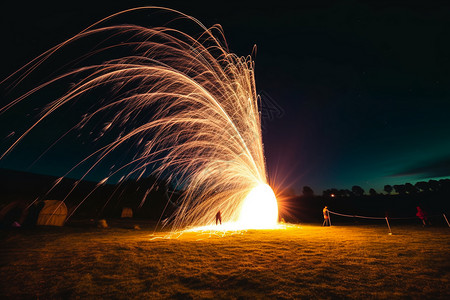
(329, 219)
(387, 222)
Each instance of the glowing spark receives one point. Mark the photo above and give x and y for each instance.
(188, 107)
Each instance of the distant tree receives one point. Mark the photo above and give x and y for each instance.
(326, 193)
(444, 181)
(307, 191)
(289, 192)
(445, 185)
(400, 189)
(388, 188)
(344, 193)
(372, 192)
(357, 190)
(434, 185)
(422, 186)
(349, 193)
(409, 188)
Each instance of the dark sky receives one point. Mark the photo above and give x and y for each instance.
(362, 90)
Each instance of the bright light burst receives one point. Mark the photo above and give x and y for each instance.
(189, 108)
(259, 209)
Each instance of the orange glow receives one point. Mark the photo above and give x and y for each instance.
(259, 209)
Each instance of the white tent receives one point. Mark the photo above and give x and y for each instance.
(54, 213)
(127, 213)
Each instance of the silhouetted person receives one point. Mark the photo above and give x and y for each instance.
(218, 218)
(422, 215)
(326, 217)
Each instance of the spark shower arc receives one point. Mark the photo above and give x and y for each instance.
(185, 104)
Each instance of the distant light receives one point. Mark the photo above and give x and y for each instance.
(333, 195)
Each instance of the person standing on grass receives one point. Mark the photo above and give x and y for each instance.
(218, 218)
(422, 215)
(326, 217)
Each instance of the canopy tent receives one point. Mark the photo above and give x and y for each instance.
(126, 212)
(54, 213)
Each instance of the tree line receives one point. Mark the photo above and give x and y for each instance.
(431, 186)
(395, 201)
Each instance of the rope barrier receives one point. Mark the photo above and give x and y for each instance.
(362, 217)
(380, 218)
(376, 218)
(355, 216)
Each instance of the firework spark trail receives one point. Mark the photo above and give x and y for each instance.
(205, 117)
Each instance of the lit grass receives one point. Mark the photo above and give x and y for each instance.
(298, 262)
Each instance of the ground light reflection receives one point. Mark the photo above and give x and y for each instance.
(221, 231)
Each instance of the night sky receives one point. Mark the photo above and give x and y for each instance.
(356, 93)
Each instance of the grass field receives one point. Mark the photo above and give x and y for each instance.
(302, 261)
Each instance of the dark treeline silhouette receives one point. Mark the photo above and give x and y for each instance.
(148, 197)
(398, 201)
(153, 199)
